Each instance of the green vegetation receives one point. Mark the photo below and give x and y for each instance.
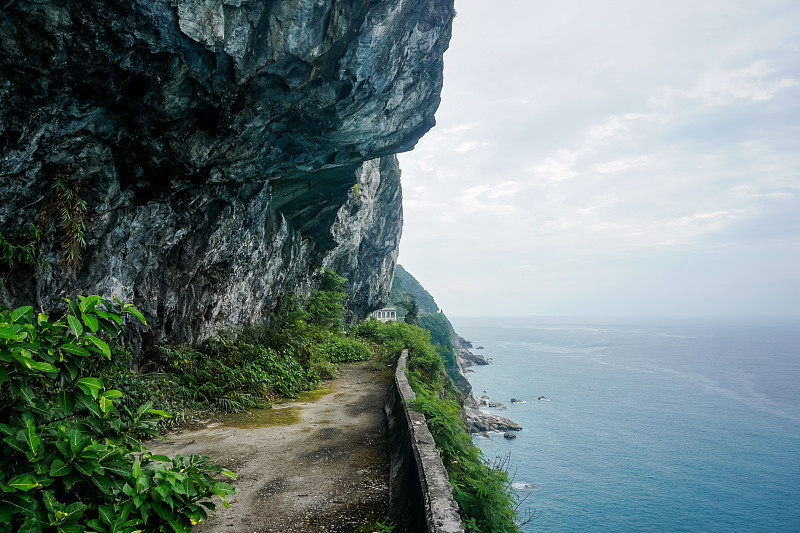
(73, 411)
(404, 286)
(71, 459)
(484, 494)
(19, 247)
(66, 206)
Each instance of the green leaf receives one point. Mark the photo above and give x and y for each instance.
(73, 306)
(59, 468)
(50, 502)
(159, 412)
(75, 350)
(108, 328)
(88, 303)
(3, 375)
(47, 368)
(105, 404)
(112, 394)
(23, 483)
(6, 333)
(75, 326)
(101, 345)
(91, 322)
(11, 504)
(135, 312)
(90, 386)
(31, 438)
(21, 312)
(21, 389)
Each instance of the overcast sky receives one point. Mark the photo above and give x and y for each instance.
(612, 157)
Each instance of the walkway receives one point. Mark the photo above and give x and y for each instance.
(327, 471)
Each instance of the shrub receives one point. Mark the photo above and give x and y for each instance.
(71, 460)
(486, 500)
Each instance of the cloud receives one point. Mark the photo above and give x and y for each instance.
(466, 147)
(599, 153)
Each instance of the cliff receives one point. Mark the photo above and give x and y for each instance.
(222, 150)
(455, 354)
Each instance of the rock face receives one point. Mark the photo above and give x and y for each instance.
(225, 149)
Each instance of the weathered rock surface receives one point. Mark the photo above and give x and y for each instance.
(217, 145)
(476, 420)
(468, 358)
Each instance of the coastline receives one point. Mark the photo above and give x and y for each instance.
(477, 420)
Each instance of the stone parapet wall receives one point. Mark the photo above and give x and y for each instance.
(420, 495)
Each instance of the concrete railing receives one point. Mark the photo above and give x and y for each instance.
(420, 495)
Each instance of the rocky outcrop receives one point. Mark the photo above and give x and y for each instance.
(468, 358)
(225, 149)
(477, 420)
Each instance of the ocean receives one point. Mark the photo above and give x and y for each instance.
(647, 425)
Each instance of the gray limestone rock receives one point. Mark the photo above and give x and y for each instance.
(225, 149)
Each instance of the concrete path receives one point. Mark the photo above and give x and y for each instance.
(326, 469)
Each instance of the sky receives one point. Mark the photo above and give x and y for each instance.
(612, 157)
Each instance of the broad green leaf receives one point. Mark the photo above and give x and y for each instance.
(90, 386)
(107, 513)
(21, 389)
(11, 442)
(75, 350)
(3, 375)
(23, 483)
(101, 345)
(21, 312)
(87, 303)
(66, 402)
(6, 333)
(31, 438)
(135, 312)
(108, 328)
(43, 367)
(112, 394)
(163, 458)
(75, 326)
(74, 308)
(59, 468)
(50, 502)
(90, 321)
(105, 404)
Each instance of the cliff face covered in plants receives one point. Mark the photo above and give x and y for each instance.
(211, 153)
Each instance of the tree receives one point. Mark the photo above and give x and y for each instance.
(412, 310)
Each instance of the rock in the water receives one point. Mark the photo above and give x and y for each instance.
(226, 150)
(468, 358)
(509, 435)
(479, 422)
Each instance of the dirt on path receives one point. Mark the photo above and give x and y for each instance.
(320, 464)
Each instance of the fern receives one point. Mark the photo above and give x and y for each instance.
(66, 206)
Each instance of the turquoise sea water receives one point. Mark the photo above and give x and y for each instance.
(657, 425)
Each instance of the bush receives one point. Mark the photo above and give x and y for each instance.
(486, 500)
(71, 460)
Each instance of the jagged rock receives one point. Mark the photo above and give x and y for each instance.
(468, 358)
(225, 149)
(479, 422)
